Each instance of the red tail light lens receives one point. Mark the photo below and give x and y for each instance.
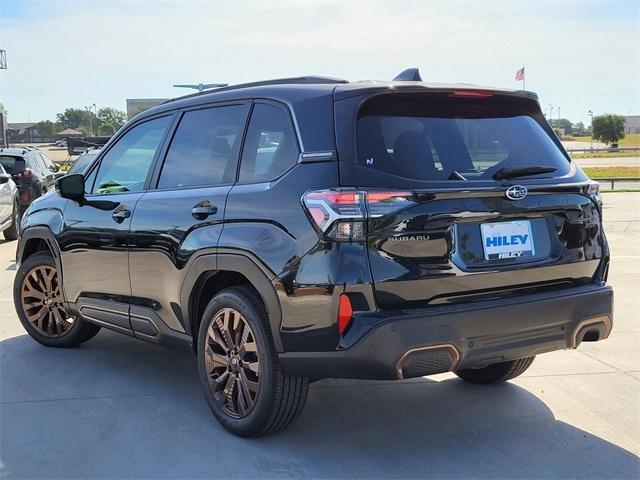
(471, 93)
(345, 312)
(24, 196)
(381, 203)
(23, 175)
(341, 214)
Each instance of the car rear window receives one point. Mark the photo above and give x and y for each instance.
(437, 137)
(12, 165)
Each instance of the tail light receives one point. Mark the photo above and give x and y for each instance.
(593, 190)
(25, 196)
(341, 214)
(25, 174)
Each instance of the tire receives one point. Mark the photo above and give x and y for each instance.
(496, 373)
(11, 233)
(272, 399)
(47, 323)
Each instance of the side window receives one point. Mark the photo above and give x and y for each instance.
(204, 150)
(124, 168)
(271, 147)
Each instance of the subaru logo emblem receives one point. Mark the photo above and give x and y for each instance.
(516, 192)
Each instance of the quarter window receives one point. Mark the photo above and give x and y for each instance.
(124, 168)
(271, 147)
(204, 150)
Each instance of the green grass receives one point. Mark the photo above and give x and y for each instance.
(612, 172)
(630, 140)
(605, 154)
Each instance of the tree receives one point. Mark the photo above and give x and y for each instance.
(77, 118)
(3, 110)
(48, 128)
(609, 128)
(563, 124)
(579, 130)
(110, 120)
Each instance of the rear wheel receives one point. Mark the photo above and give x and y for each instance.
(40, 307)
(244, 385)
(496, 373)
(11, 233)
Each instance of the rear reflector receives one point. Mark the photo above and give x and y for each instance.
(471, 93)
(345, 312)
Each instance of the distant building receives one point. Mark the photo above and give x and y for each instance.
(26, 133)
(138, 105)
(632, 124)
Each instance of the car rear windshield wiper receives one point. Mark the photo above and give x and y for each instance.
(455, 175)
(504, 173)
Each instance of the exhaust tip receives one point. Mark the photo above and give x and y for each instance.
(421, 361)
(591, 330)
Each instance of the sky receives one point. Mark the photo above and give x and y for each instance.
(578, 55)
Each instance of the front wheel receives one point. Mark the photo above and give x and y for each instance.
(244, 385)
(496, 373)
(38, 302)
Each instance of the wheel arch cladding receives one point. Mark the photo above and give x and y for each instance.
(38, 239)
(210, 274)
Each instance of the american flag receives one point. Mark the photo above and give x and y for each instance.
(520, 74)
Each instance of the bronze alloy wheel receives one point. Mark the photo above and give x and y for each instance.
(232, 364)
(42, 302)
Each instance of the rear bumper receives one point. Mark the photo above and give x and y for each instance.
(471, 336)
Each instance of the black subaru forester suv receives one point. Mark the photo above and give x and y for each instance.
(305, 228)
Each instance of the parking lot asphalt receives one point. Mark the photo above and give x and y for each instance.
(120, 408)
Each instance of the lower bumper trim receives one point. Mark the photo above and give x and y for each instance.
(424, 343)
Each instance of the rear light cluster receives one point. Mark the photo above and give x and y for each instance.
(25, 174)
(341, 214)
(593, 190)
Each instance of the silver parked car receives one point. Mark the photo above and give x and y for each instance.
(8, 206)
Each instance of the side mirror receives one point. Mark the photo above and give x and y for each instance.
(4, 179)
(71, 186)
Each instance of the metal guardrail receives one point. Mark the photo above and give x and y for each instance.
(602, 150)
(613, 180)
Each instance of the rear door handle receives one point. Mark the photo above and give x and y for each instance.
(120, 214)
(202, 210)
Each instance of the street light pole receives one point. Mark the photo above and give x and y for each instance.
(95, 112)
(88, 110)
(590, 113)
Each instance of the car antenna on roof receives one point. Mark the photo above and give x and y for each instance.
(408, 75)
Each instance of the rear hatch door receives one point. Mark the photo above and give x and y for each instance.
(470, 197)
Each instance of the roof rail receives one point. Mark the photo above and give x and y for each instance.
(307, 80)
